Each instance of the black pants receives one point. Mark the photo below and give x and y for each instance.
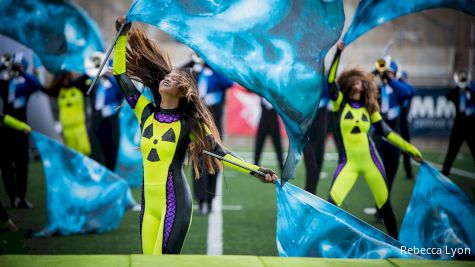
(14, 162)
(463, 130)
(404, 124)
(3, 214)
(269, 125)
(205, 187)
(106, 141)
(315, 149)
(389, 154)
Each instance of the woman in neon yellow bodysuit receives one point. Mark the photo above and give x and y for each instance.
(72, 111)
(178, 120)
(355, 110)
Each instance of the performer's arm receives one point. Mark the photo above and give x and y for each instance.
(139, 103)
(12, 122)
(335, 95)
(392, 137)
(402, 90)
(226, 154)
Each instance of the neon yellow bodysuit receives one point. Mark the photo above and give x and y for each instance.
(166, 198)
(72, 116)
(357, 153)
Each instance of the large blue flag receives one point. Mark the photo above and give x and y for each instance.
(308, 226)
(129, 157)
(275, 48)
(81, 195)
(372, 13)
(439, 216)
(59, 32)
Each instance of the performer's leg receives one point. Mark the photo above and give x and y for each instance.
(177, 218)
(470, 137)
(320, 142)
(406, 135)
(217, 111)
(390, 155)
(212, 179)
(389, 219)
(6, 164)
(310, 167)
(343, 182)
(109, 137)
(201, 188)
(456, 140)
(260, 138)
(374, 176)
(21, 168)
(276, 140)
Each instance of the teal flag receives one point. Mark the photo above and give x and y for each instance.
(308, 226)
(439, 216)
(82, 196)
(59, 32)
(129, 157)
(373, 13)
(275, 48)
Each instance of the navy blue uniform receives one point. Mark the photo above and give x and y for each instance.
(15, 94)
(464, 124)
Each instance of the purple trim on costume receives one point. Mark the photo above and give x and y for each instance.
(171, 208)
(354, 104)
(375, 158)
(334, 96)
(142, 208)
(133, 99)
(340, 166)
(166, 118)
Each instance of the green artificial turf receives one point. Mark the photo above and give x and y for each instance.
(249, 231)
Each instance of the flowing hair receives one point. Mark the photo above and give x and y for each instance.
(147, 64)
(369, 94)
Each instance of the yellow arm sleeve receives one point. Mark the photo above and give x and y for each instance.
(402, 144)
(236, 159)
(16, 124)
(391, 136)
(119, 55)
(336, 104)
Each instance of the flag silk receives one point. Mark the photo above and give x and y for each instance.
(439, 215)
(373, 13)
(308, 226)
(59, 32)
(82, 196)
(275, 48)
(129, 158)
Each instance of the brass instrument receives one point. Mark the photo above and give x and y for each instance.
(381, 65)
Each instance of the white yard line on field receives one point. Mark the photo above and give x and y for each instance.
(215, 221)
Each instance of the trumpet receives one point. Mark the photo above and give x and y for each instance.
(381, 65)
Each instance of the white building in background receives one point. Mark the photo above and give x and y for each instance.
(430, 45)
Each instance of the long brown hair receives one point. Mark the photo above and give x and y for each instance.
(347, 79)
(147, 64)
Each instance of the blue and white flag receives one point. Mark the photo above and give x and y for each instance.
(373, 13)
(59, 32)
(129, 157)
(82, 196)
(439, 217)
(275, 48)
(308, 226)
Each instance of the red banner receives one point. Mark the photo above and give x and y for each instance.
(243, 112)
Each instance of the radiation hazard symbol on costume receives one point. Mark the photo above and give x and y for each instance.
(168, 136)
